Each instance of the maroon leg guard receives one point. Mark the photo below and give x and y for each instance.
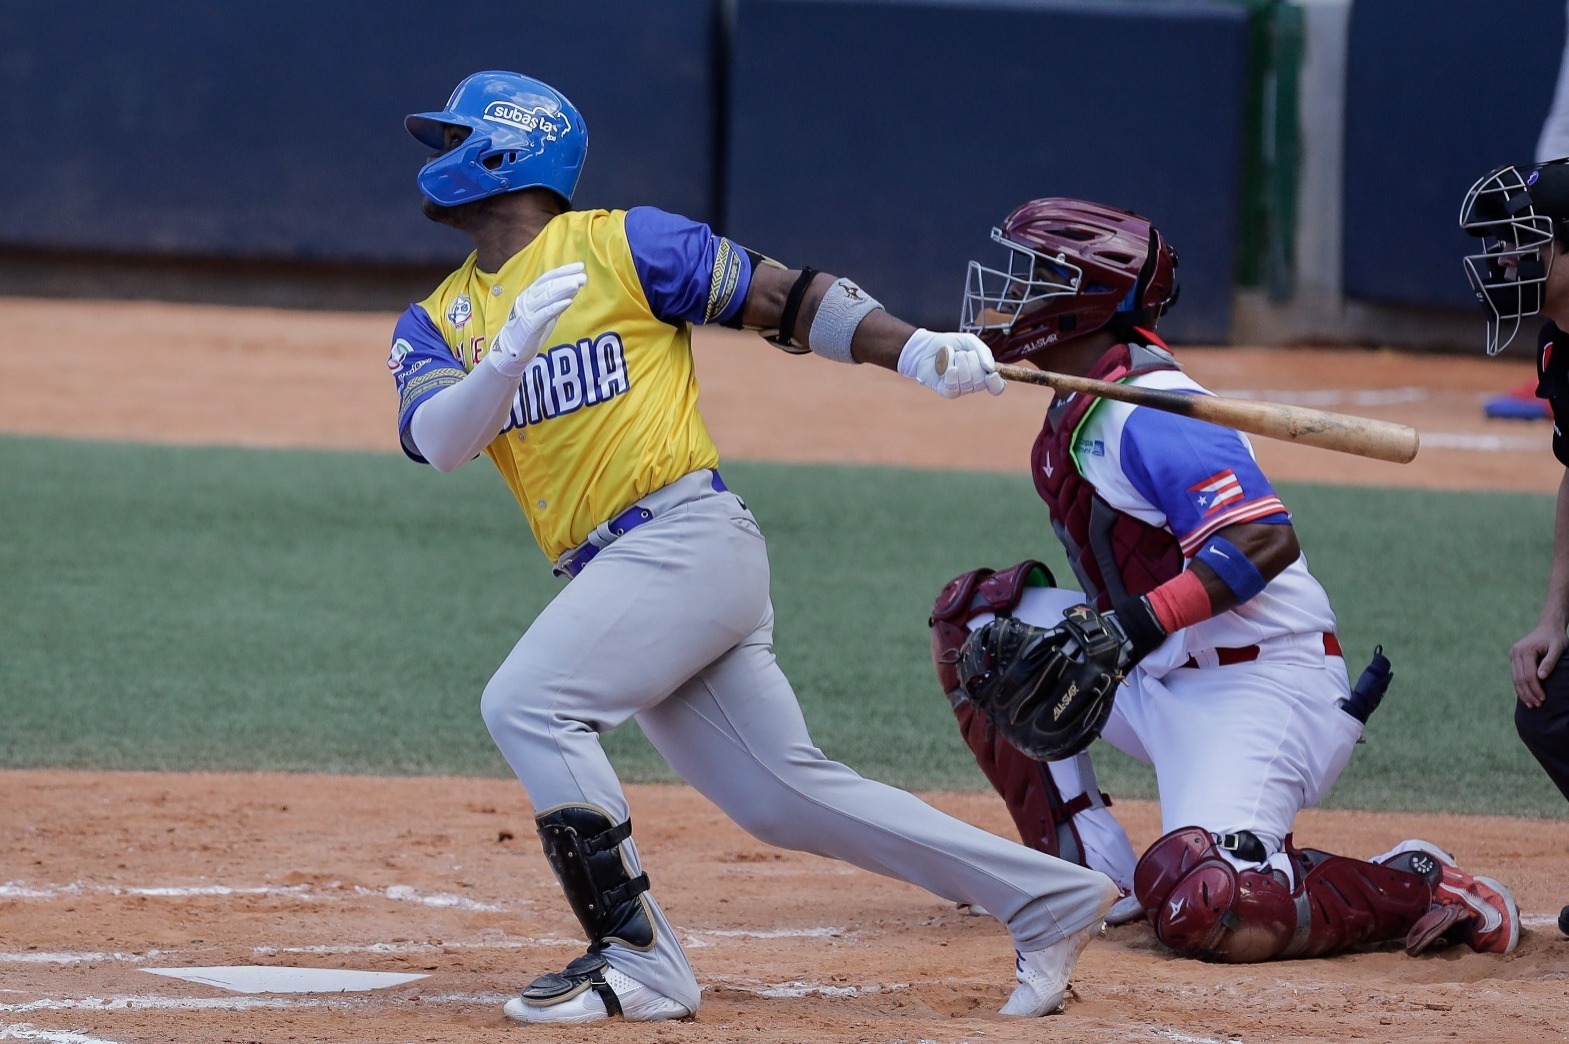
(1043, 818)
(1202, 906)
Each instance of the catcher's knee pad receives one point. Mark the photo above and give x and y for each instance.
(1202, 906)
(1042, 815)
(584, 849)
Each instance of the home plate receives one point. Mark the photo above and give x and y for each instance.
(270, 979)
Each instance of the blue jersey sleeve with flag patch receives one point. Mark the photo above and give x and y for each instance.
(689, 274)
(1200, 476)
(422, 364)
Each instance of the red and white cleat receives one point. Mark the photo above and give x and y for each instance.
(1467, 908)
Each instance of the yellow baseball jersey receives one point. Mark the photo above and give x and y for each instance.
(606, 413)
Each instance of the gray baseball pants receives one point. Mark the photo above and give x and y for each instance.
(672, 624)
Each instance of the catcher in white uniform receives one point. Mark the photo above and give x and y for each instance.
(1197, 640)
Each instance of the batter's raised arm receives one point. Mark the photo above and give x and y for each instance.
(452, 426)
(809, 311)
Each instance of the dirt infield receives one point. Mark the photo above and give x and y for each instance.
(106, 875)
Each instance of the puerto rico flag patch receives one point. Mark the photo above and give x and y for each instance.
(1219, 491)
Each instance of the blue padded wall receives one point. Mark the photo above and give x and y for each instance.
(883, 139)
(1438, 92)
(273, 129)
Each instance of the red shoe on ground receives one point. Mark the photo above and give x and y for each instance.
(1477, 911)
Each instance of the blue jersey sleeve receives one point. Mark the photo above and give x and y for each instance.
(688, 273)
(1199, 475)
(422, 364)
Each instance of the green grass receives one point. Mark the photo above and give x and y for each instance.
(177, 608)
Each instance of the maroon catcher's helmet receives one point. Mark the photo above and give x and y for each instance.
(1072, 267)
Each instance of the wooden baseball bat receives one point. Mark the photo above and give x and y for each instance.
(1341, 432)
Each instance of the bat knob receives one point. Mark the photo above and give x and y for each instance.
(944, 357)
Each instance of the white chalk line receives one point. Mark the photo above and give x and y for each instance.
(1324, 397)
(309, 893)
(815, 989)
(772, 933)
(154, 1002)
(1330, 397)
(43, 957)
(693, 938)
(27, 1031)
(1482, 443)
(698, 938)
(1188, 1038)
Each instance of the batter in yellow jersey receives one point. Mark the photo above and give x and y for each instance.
(608, 412)
(562, 350)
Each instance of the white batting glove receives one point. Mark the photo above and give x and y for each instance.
(533, 318)
(969, 363)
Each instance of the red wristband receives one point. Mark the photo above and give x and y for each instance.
(1181, 602)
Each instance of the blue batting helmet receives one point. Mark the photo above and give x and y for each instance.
(522, 134)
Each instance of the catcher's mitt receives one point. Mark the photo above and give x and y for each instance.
(1048, 691)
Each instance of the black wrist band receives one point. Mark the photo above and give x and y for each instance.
(1138, 621)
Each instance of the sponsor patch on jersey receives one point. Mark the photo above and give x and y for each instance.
(400, 351)
(1215, 492)
(1093, 447)
(462, 308)
(551, 124)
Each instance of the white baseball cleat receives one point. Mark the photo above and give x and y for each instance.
(584, 1000)
(1043, 974)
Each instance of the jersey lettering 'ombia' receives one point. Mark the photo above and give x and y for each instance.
(607, 413)
(1195, 479)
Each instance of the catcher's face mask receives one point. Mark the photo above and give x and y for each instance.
(1510, 274)
(994, 299)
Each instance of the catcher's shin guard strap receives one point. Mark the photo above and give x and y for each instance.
(585, 973)
(1353, 903)
(1034, 801)
(584, 850)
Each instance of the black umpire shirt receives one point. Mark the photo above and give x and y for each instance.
(1552, 383)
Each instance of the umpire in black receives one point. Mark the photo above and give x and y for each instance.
(1521, 215)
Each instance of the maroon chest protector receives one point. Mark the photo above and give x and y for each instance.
(1113, 555)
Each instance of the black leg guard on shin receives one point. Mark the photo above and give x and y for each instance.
(584, 850)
